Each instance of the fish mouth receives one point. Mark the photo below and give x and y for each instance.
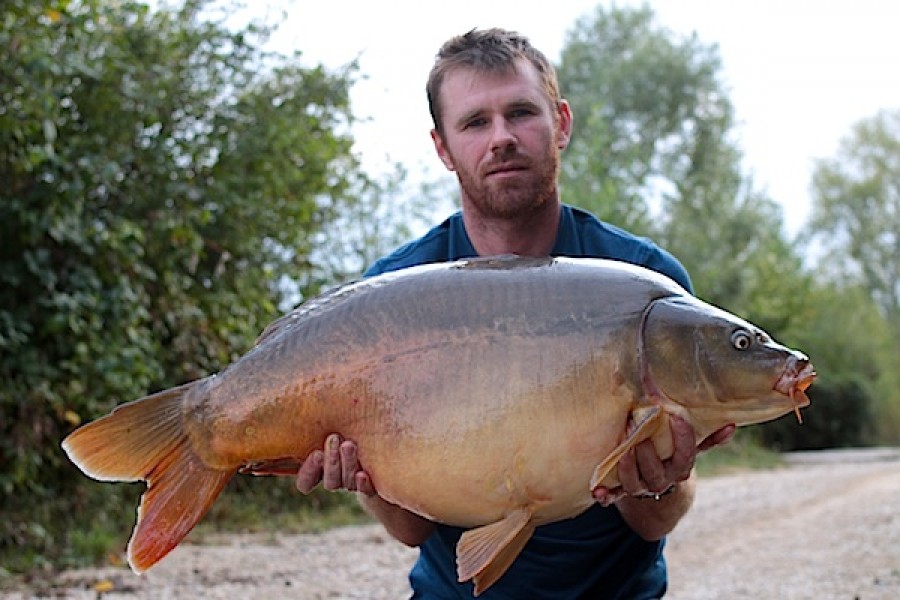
(797, 377)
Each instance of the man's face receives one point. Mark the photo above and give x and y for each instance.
(502, 137)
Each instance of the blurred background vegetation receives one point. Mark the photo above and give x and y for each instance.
(169, 187)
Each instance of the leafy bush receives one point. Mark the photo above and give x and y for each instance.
(161, 174)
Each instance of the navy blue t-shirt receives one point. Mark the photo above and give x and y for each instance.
(594, 555)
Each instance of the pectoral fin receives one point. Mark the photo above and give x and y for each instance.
(485, 553)
(647, 421)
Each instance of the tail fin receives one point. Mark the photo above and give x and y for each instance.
(145, 440)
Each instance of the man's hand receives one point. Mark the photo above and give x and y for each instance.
(336, 467)
(642, 473)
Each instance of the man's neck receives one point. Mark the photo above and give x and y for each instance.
(533, 234)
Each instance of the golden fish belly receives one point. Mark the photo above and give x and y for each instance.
(514, 422)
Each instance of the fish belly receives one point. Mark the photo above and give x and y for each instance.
(507, 424)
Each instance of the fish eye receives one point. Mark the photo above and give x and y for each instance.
(741, 339)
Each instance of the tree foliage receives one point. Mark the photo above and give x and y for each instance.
(856, 212)
(636, 93)
(856, 225)
(842, 418)
(653, 152)
(161, 176)
(841, 330)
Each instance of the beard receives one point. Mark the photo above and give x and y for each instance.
(520, 195)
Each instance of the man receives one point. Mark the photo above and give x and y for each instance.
(500, 125)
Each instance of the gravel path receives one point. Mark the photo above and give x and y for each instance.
(825, 527)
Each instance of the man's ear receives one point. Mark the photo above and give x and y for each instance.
(441, 150)
(564, 121)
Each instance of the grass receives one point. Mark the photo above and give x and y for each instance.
(260, 504)
(742, 453)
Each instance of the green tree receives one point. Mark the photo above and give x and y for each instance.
(386, 213)
(840, 328)
(856, 225)
(856, 209)
(641, 96)
(653, 152)
(162, 176)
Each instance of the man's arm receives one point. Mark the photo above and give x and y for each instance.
(337, 467)
(407, 527)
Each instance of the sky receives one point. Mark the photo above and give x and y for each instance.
(800, 73)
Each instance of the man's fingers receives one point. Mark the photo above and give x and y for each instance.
(349, 465)
(364, 484)
(310, 472)
(630, 478)
(606, 496)
(719, 437)
(336, 467)
(684, 450)
(333, 476)
(651, 468)
(646, 472)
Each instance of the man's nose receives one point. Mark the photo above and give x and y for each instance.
(502, 136)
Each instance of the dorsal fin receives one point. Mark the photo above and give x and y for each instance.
(312, 306)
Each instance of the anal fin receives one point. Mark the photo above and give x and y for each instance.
(484, 554)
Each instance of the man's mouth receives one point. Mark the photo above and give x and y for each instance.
(506, 169)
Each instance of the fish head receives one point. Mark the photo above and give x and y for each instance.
(717, 367)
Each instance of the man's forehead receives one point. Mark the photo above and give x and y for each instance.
(467, 85)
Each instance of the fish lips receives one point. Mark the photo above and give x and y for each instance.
(798, 375)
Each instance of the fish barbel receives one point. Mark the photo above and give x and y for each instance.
(493, 394)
